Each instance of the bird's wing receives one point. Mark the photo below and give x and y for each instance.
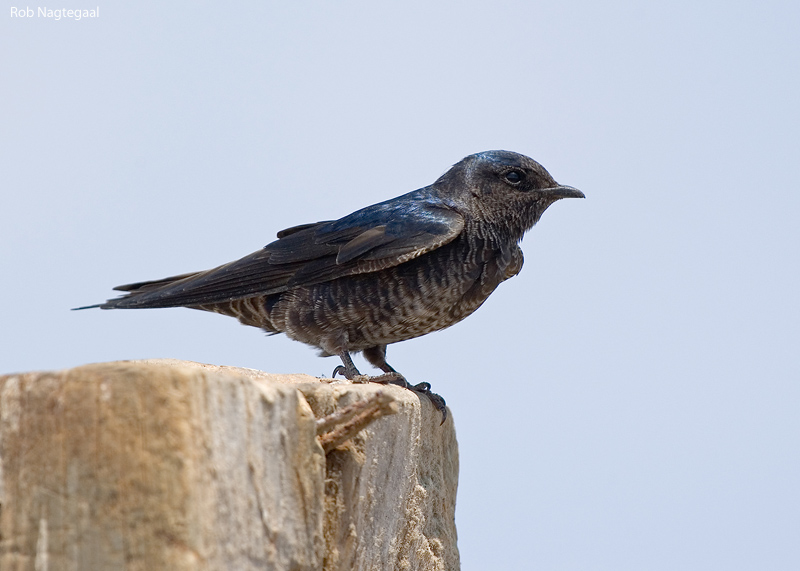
(368, 240)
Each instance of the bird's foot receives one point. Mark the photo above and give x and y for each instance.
(395, 378)
(350, 374)
(437, 400)
(423, 388)
(356, 377)
(392, 378)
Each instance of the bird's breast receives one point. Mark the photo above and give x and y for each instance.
(425, 294)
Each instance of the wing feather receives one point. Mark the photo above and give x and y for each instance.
(373, 238)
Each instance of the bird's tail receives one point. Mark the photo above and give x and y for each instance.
(135, 290)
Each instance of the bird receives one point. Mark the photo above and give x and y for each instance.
(386, 273)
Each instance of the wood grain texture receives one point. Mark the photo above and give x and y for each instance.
(175, 465)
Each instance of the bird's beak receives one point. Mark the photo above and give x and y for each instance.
(563, 192)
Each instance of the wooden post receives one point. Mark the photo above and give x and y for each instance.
(175, 465)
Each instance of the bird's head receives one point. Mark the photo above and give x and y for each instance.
(505, 192)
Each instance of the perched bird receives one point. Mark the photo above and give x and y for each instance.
(386, 273)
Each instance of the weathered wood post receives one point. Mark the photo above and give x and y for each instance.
(174, 465)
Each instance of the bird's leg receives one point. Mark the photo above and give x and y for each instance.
(348, 369)
(377, 357)
(349, 372)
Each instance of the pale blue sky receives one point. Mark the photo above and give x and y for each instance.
(628, 402)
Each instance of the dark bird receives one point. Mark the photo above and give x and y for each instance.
(386, 273)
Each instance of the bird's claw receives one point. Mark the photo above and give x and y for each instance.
(394, 378)
(391, 379)
(354, 376)
(437, 400)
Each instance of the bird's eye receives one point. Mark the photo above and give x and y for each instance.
(514, 177)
